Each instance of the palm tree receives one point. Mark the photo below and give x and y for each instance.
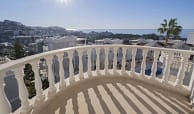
(170, 29)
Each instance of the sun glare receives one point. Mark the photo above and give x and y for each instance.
(64, 1)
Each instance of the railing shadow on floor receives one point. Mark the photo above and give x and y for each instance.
(60, 102)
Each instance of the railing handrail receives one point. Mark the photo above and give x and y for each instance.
(27, 59)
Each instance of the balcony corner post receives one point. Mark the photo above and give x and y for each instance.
(4, 103)
(23, 92)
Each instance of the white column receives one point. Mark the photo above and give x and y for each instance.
(52, 88)
(23, 92)
(166, 71)
(181, 72)
(80, 52)
(143, 64)
(4, 103)
(89, 61)
(134, 51)
(154, 65)
(71, 69)
(97, 60)
(115, 49)
(123, 60)
(106, 60)
(38, 83)
(62, 83)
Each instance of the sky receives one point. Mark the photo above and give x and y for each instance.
(98, 14)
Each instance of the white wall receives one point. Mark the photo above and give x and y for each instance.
(190, 38)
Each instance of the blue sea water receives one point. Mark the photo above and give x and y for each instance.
(183, 34)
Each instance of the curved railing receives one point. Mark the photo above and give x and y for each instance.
(95, 51)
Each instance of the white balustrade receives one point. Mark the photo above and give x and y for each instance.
(115, 49)
(52, 88)
(62, 82)
(134, 51)
(38, 83)
(80, 53)
(23, 92)
(154, 65)
(71, 69)
(166, 72)
(98, 60)
(123, 60)
(182, 69)
(5, 107)
(89, 62)
(143, 65)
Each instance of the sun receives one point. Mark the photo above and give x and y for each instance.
(63, 1)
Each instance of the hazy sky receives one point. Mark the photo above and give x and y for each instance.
(98, 14)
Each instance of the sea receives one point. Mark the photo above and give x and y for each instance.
(184, 33)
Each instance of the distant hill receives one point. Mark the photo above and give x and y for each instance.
(8, 29)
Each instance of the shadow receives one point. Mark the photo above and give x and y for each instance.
(141, 100)
(116, 102)
(102, 102)
(153, 100)
(63, 108)
(129, 101)
(75, 104)
(171, 104)
(88, 102)
(71, 92)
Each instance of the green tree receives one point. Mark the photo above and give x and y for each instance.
(29, 80)
(170, 29)
(19, 51)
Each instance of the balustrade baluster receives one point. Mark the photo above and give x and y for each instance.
(97, 60)
(166, 72)
(23, 92)
(80, 52)
(106, 60)
(62, 82)
(71, 69)
(143, 65)
(89, 61)
(182, 69)
(38, 83)
(115, 49)
(4, 103)
(154, 65)
(134, 51)
(123, 61)
(52, 88)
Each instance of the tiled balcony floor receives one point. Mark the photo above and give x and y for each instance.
(116, 95)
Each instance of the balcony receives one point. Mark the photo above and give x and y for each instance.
(106, 82)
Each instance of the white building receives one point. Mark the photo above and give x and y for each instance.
(190, 38)
(58, 43)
